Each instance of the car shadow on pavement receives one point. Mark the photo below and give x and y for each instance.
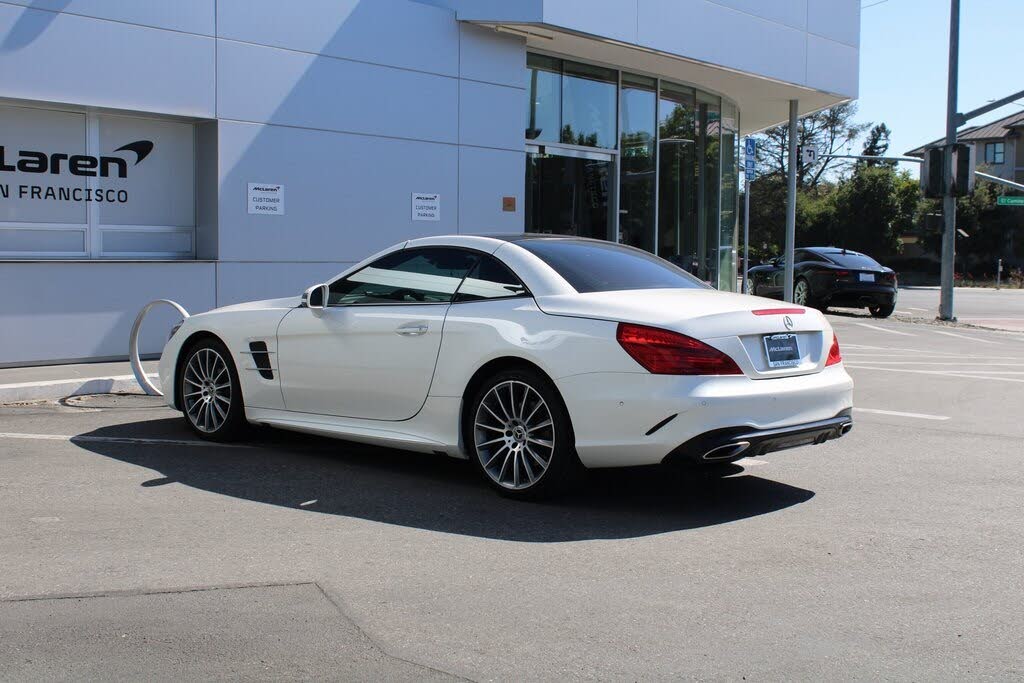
(434, 492)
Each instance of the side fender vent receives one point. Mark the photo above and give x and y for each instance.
(261, 357)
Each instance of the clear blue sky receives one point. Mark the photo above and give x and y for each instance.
(903, 64)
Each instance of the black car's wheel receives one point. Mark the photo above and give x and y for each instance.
(519, 435)
(211, 397)
(882, 311)
(802, 293)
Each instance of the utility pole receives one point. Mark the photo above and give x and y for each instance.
(791, 202)
(949, 197)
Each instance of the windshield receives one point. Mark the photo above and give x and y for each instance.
(592, 266)
(852, 259)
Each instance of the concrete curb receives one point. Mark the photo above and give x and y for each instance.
(62, 388)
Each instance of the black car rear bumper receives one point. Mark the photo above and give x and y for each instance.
(860, 296)
(733, 443)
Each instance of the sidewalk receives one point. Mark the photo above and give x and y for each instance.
(52, 382)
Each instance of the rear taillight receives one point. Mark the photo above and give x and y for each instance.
(842, 273)
(662, 352)
(889, 277)
(833, 353)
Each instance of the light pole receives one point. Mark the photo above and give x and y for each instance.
(949, 198)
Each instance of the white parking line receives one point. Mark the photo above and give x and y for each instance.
(937, 372)
(882, 329)
(962, 336)
(917, 309)
(117, 439)
(918, 416)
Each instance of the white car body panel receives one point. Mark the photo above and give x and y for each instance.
(345, 372)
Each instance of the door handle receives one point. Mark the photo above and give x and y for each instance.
(412, 329)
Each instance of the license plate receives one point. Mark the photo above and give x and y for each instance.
(867, 277)
(783, 350)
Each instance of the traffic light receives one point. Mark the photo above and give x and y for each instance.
(963, 170)
(931, 173)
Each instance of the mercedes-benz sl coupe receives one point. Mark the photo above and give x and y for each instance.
(530, 355)
(830, 276)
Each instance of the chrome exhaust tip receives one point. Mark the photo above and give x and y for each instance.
(726, 452)
(845, 428)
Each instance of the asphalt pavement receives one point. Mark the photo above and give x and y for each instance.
(982, 307)
(130, 550)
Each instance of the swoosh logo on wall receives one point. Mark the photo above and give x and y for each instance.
(142, 148)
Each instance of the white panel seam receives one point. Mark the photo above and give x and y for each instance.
(111, 21)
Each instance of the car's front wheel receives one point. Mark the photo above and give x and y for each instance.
(520, 437)
(211, 396)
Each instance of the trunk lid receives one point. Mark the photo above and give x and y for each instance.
(735, 324)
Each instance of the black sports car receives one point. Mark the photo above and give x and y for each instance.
(830, 276)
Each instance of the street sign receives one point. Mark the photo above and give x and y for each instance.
(809, 155)
(750, 147)
(1010, 201)
(750, 157)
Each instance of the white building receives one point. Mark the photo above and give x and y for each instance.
(213, 151)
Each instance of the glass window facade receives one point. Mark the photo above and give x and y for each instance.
(633, 158)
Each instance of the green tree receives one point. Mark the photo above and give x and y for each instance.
(876, 145)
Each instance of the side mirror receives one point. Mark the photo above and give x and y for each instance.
(315, 298)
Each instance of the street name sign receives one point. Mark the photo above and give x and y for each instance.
(1010, 201)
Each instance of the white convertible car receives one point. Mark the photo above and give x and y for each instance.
(528, 354)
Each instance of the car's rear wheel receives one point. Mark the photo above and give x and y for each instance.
(520, 437)
(211, 397)
(802, 293)
(882, 311)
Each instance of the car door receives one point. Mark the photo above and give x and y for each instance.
(371, 351)
(775, 279)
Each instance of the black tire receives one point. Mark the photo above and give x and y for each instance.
(882, 311)
(515, 462)
(213, 408)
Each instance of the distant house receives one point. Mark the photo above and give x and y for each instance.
(999, 146)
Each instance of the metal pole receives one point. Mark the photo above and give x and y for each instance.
(791, 202)
(999, 273)
(949, 200)
(746, 232)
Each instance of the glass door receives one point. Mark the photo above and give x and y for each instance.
(570, 192)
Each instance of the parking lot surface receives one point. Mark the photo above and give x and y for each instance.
(128, 549)
(1002, 309)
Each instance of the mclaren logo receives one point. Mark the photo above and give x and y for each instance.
(29, 161)
(788, 322)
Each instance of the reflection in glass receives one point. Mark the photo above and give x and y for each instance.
(544, 103)
(567, 195)
(728, 233)
(588, 105)
(677, 202)
(709, 148)
(637, 159)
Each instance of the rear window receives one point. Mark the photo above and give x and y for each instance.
(852, 259)
(608, 267)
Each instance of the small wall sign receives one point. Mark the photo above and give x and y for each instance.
(266, 199)
(508, 204)
(426, 206)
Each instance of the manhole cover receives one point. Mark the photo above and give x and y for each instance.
(115, 401)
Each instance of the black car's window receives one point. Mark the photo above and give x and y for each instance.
(852, 259)
(591, 266)
(490, 279)
(799, 256)
(809, 256)
(427, 275)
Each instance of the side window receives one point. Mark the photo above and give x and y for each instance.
(800, 256)
(490, 279)
(428, 275)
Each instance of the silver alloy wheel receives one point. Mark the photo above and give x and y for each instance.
(207, 390)
(514, 435)
(800, 293)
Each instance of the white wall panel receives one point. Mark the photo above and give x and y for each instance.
(392, 32)
(271, 85)
(67, 58)
(68, 311)
(189, 16)
(240, 282)
(346, 196)
(486, 55)
(491, 115)
(832, 66)
(719, 35)
(485, 176)
(790, 12)
(837, 20)
(616, 19)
